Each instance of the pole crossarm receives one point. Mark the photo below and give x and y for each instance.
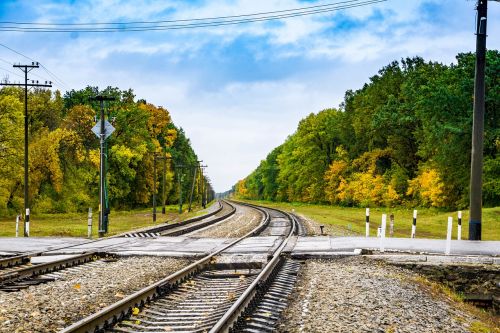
(26, 69)
(45, 85)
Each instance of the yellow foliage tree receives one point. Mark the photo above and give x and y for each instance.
(428, 188)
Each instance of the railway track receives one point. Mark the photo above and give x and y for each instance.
(224, 211)
(17, 272)
(213, 294)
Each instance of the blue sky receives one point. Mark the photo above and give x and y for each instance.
(238, 91)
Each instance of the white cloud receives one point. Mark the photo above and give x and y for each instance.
(236, 121)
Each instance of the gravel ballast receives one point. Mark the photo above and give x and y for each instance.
(361, 295)
(240, 223)
(52, 306)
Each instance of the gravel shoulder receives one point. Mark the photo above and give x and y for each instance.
(52, 306)
(361, 295)
(240, 223)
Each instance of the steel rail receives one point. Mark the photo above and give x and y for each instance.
(192, 226)
(232, 316)
(31, 271)
(161, 228)
(14, 261)
(25, 258)
(122, 309)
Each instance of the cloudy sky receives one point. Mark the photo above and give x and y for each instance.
(237, 90)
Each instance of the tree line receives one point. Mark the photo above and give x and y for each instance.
(64, 152)
(404, 138)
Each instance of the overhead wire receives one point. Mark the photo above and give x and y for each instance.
(181, 20)
(14, 73)
(214, 23)
(57, 81)
(136, 26)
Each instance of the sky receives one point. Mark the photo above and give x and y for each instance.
(238, 91)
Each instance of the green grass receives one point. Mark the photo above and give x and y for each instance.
(75, 224)
(431, 223)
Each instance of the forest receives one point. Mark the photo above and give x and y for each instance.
(404, 138)
(64, 152)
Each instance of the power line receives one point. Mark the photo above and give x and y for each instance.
(180, 20)
(214, 23)
(54, 77)
(16, 74)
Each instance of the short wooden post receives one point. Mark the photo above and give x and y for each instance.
(459, 233)
(414, 224)
(448, 236)
(367, 219)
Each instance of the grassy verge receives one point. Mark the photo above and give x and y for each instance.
(75, 224)
(431, 223)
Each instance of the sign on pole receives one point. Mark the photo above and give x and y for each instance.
(108, 129)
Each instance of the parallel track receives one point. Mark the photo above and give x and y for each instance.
(204, 296)
(17, 272)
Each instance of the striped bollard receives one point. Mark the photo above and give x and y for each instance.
(414, 225)
(459, 233)
(367, 222)
(448, 236)
(27, 223)
(89, 223)
(382, 233)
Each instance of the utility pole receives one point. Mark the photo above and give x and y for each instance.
(103, 210)
(476, 170)
(164, 198)
(202, 187)
(154, 187)
(179, 179)
(26, 69)
(193, 183)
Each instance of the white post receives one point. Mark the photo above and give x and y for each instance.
(367, 222)
(382, 233)
(391, 225)
(17, 225)
(414, 224)
(89, 224)
(27, 217)
(459, 233)
(448, 236)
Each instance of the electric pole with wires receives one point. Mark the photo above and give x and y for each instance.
(476, 169)
(26, 69)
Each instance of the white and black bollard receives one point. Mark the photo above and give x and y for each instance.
(89, 224)
(448, 236)
(414, 224)
(382, 232)
(17, 225)
(459, 231)
(27, 223)
(367, 222)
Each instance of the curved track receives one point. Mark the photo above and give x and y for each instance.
(205, 296)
